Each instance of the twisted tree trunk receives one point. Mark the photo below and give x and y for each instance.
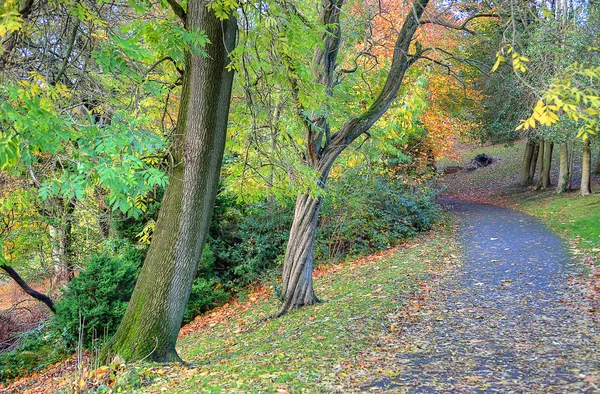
(298, 264)
(155, 312)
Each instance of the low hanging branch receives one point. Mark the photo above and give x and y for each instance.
(463, 25)
(178, 10)
(27, 289)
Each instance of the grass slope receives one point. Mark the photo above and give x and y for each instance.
(329, 347)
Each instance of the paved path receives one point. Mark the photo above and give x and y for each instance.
(506, 321)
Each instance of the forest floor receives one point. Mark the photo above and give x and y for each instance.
(494, 303)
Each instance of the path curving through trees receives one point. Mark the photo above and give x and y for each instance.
(506, 321)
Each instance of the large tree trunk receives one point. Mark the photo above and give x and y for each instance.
(533, 162)
(540, 166)
(28, 289)
(526, 163)
(155, 311)
(564, 170)
(298, 264)
(548, 148)
(586, 187)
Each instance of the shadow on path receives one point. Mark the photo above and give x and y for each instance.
(506, 321)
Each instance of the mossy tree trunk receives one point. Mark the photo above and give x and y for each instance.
(586, 169)
(564, 171)
(155, 312)
(525, 180)
(548, 148)
(323, 146)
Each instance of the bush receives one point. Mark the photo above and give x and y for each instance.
(38, 349)
(363, 213)
(97, 298)
(248, 240)
(207, 291)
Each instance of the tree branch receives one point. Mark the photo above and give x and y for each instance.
(27, 289)
(178, 10)
(463, 25)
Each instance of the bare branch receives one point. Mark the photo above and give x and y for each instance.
(463, 25)
(178, 10)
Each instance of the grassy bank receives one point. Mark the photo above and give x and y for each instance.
(322, 348)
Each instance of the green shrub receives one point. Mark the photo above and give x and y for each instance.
(249, 240)
(207, 291)
(363, 213)
(97, 298)
(38, 349)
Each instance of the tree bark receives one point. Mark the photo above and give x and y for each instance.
(540, 166)
(564, 171)
(298, 264)
(155, 312)
(526, 163)
(548, 148)
(532, 164)
(586, 187)
(27, 289)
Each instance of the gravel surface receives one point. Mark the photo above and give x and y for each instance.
(508, 321)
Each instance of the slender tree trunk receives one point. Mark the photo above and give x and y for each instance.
(564, 172)
(533, 162)
(27, 289)
(526, 163)
(155, 311)
(548, 148)
(540, 166)
(61, 235)
(298, 264)
(586, 187)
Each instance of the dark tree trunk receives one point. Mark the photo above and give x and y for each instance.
(586, 186)
(564, 171)
(298, 265)
(323, 147)
(532, 164)
(27, 289)
(526, 163)
(155, 311)
(597, 167)
(549, 147)
(540, 166)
